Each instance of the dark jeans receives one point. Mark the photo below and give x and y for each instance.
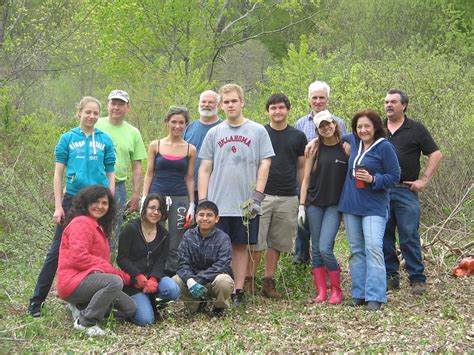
(100, 292)
(404, 216)
(302, 243)
(48, 271)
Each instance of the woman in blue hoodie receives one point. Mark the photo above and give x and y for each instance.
(87, 155)
(373, 169)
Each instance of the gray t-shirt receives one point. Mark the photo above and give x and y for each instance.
(235, 153)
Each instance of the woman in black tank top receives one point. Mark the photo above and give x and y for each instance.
(170, 172)
(325, 170)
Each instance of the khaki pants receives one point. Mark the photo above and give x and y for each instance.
(219, 290)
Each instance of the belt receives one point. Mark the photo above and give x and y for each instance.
(401, 185)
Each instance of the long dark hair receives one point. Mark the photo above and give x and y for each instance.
(85, 198)
(374, 117)
(161, 200)
(337, 134)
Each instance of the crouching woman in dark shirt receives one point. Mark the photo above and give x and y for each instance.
(142, 253)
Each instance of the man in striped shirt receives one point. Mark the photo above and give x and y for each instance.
(318, 98)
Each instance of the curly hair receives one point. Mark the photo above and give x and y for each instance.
(161, 200)
(86, 197)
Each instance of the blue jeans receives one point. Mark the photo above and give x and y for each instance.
(405, 216)
(302, 243)
(323, 225)
(50, 265)
(367, 266)
(168, 290)
(120, 197)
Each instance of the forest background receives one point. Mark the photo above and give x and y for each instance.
(164, 53)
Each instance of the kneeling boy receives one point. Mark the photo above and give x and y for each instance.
(205, 257)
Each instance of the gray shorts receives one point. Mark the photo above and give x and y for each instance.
(277, 223)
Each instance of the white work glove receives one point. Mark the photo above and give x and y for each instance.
(142, 200)
(301, 216)
(190, 283)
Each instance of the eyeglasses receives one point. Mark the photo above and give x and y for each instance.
(154, 209)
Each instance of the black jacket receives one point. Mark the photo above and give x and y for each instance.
(136, 256)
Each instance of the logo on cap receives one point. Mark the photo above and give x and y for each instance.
(119, 94)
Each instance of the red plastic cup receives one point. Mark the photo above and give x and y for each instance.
(359, 183)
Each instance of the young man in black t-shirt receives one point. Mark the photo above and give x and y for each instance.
(280, 207)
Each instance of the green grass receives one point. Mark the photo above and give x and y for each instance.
(438, 321)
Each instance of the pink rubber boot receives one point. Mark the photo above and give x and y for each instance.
(319, 279)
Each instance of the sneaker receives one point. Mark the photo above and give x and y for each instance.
(94, 331)
(393, 284)
(373, 305)
(238, 298)
(34, 309)
(75, 312)
(217, 312)
(269, 289)
(357, 302)
(418, 288)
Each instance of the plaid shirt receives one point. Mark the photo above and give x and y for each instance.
(306, 125)
(203, 258)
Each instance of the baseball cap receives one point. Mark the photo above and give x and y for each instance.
(119, 94)
(322, 116)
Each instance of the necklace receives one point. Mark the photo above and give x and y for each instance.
(149, 234)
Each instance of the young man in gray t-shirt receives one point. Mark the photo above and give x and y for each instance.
(236, 157)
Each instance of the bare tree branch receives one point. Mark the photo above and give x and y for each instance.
(266, 33)
(222, 18)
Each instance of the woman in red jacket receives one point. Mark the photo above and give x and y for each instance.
(85, 276)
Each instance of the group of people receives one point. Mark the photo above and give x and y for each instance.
(241, 182)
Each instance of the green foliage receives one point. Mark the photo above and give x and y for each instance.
(292, 77)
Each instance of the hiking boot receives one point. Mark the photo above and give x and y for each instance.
(357, 302)
(269, 289)
(94, 331)
(217, 312)
(249, 285)
(418, 288)
(393, 284)
(34, 309)
(238, 298)
(373, 305)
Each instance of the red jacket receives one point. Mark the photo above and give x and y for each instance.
(84, 249)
